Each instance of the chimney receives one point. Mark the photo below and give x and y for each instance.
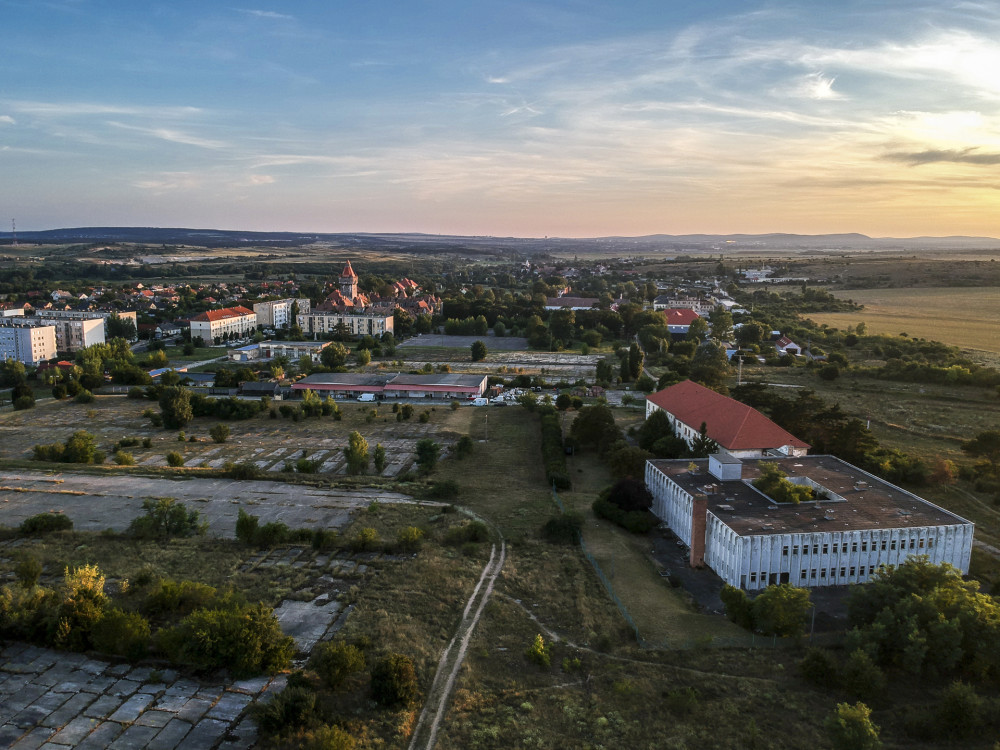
(699, 512)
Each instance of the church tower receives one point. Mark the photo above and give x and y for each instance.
(348, 282)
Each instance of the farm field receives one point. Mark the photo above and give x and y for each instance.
(966, 317)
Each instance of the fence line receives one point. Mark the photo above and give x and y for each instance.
(750, 640)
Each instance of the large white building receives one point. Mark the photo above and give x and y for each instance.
(233, 322)
(73, 334)
(278, 313)
(858, 524)
(27, 340)
(72, 315)
(355, 324)
(737, 428)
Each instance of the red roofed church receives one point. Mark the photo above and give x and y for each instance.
(739, 430)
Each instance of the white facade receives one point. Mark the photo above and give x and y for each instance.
(278, 313)
(752, 542)
(354, 324)
(102, 315)
(237, 322)
(27, 341)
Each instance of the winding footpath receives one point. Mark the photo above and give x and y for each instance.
(425, 733)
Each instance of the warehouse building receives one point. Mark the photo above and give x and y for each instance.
(855, 524)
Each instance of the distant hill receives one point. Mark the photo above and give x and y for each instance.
(442, 243)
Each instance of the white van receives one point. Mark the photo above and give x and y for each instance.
(366, 397)
(478, 402)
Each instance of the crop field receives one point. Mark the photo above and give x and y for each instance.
(966, 317)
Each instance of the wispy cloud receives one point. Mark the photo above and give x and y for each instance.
(7, 120)
(173, 136)
(70, 109)
(952, 156)
(270, 14)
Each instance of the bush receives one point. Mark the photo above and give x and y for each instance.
(394, 681)
(464, 447)
(243, 470)
(272, 534)
(862, 678)
(446, 489)
(474, 531)
(851, 728)
(564, 529)
(175, 459)
(124, 458)
(323, 539)
(365, 540)
(220, 433)
(335, 662)
(682, 701)
(738, 607)
(166, 518)
(28, 570)
(408, 539)
(59, 392)
(178, 598)
(122, 634)
(245, 639)
(84, 397)
(292, 707)
(538, 652)
(43, 523)
(246, 527)
(638, 521)
(819, 667)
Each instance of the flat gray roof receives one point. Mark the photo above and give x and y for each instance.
(865, 501)
(347, 379)
(441, 379)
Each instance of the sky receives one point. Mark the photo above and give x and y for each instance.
(572, 118)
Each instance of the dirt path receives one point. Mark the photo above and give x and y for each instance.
(425, 734)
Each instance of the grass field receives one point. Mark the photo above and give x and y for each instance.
(966, 317)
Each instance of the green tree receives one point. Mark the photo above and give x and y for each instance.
(851, 728)
(175, 406)
(122, 328)
(710, 366)
(394, 681)
(81, 448)
(985, 445)
(380, 458)
(478, 351)
(703, 446)
(363, 357)
(165, 518)
(722, 324)
(698, 330)
(749, 334)
(334, 662)
(595, 427)
(12, 373)
(781, 610)
(427, 455)
(219, 433)
(356, 454)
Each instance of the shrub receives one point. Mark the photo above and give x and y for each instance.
(445, 489)
(246, 527)
(365, 540)
(379, 459)
(135, 392)
(454, 405)
(638, 522)
(473, 531)
(245, 639)
(175, 459)
(334, 662)
(564, 529)
(243, 470)
(464, 447)
(59, 392)
(862, 678)
(292, 707)
(272, 534)
(180, 598)
(124, 458)
(819, 668)
(28, 570)
(84, 397)
(738, 607)
(43, 523)
(323, 539)
(851, 728)
(122, 633)
(394, 681)
(538, 652)
(220, 433)
(408, 539)
(682, 701)
(427, 455)
(165, 518)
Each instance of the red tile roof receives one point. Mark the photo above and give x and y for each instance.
(348, 272)
(226, 312)
(730, 423)
(680, 316)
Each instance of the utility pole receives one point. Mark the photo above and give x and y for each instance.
(486, 429)
(13, 232)
(739, 371)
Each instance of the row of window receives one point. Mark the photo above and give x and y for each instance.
(807, 574)
(884, 545)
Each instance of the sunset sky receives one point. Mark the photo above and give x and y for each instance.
(564, 118)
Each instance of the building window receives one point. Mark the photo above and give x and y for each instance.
(930, 543)
(815, 549)
(854, 547)
(803, 576)
(812, 573)
(784, 551)
(920, 543)
(826, 549)
(822, 573)
(753, 578)
(795, 550)
(843, 571)
(883, 545)
(871, 570)
(852, 570)
(893, 545)
(913, 543)
(864, 546)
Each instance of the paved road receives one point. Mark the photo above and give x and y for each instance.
(95, 503)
